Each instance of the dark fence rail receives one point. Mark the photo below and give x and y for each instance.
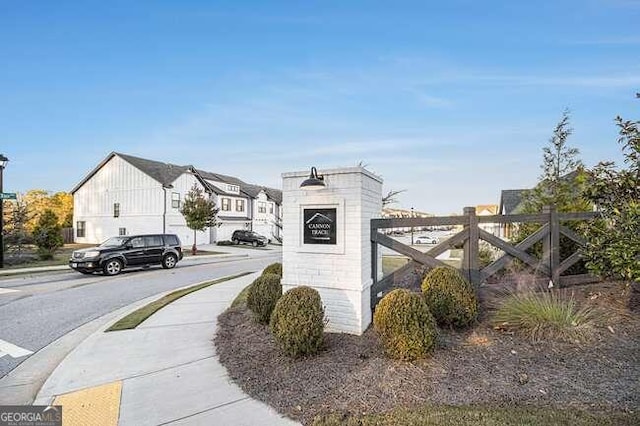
(549, 267)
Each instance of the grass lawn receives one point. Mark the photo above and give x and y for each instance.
(61, 256)
(481, 415)
(135, 318)
(392, 263)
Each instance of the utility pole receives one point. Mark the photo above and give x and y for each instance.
(412, 226)
(3, 162)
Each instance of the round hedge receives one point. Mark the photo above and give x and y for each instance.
(451, 299)
(274, 268)
(263, 295)
(405, 325)
(297, 322)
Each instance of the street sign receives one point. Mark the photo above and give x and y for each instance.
(8, 196)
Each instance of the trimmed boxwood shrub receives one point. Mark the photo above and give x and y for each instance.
(263, 295)
(297, 322)
(451, 299)
(274, 268)
(405, 325)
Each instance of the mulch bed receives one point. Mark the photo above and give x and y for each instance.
(476, 366)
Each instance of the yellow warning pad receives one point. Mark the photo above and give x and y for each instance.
(99, 406)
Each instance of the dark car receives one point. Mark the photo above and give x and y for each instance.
(118, 253)
(249, 237)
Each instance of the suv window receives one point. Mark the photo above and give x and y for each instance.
(153, 241)
(171, 240)
(137, 242)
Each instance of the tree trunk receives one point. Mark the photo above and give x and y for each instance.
(194, 249)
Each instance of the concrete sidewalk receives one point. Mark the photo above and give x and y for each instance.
(164, 372)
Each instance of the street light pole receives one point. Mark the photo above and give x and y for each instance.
(412, 226)
(3, 162)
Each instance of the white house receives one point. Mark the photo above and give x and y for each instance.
(127, 195)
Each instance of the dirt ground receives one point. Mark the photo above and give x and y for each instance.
(476, 366)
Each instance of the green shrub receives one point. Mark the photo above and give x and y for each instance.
(262, 296)
(225, 243)
(47, 236)
(545, 315)
(405, 325)
(274, 268)
(451, 299)
(485, 257)
(297, 322)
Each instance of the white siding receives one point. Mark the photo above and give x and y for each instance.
(141, 201)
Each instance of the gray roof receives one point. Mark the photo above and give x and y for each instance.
(166, 173)
(510, 200)
(254, 190)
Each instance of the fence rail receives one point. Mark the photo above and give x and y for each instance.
(549, 267)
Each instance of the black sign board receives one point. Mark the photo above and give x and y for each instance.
(320, 226)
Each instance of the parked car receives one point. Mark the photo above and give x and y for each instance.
(249, 237)
(118, 253)
(427, 239)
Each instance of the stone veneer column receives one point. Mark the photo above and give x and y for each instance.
(341, 269)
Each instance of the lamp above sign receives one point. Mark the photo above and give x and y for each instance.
(320, 226)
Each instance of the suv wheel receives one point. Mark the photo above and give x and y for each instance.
(112, 267)
(255, 244)
(236, 241)
(169, 261)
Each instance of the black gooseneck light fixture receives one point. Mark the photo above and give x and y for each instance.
(314, 182)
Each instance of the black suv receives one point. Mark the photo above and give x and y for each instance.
(118, 253)
(250, 237)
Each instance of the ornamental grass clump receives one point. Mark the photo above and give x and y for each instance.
(274, 268)
(545, 315)
(262, 296)
(297, 322)
(405, 325)
(451, 299)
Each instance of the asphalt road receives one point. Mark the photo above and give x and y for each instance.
(47, 306)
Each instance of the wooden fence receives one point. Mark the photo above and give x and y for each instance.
(549, 267)
(67, 235)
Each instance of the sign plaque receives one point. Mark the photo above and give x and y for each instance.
(320, 226)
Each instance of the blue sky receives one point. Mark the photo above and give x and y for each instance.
(452, 101)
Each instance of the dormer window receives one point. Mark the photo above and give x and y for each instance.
(233, 188)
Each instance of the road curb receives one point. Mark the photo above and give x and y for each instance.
(57, 268)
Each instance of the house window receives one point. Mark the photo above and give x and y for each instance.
(122, 231)
(116, 209)
(239, 205)
(271, 208)
(80, 228)
(233, 188)
(226, 204)
(262, 207)
(175, 200)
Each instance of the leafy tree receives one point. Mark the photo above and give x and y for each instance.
(199, 211)
(39, 200)
(563, 177)
(561, 184)
(62, 205)
(613, 248)
(16, 216)
(46, 235)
